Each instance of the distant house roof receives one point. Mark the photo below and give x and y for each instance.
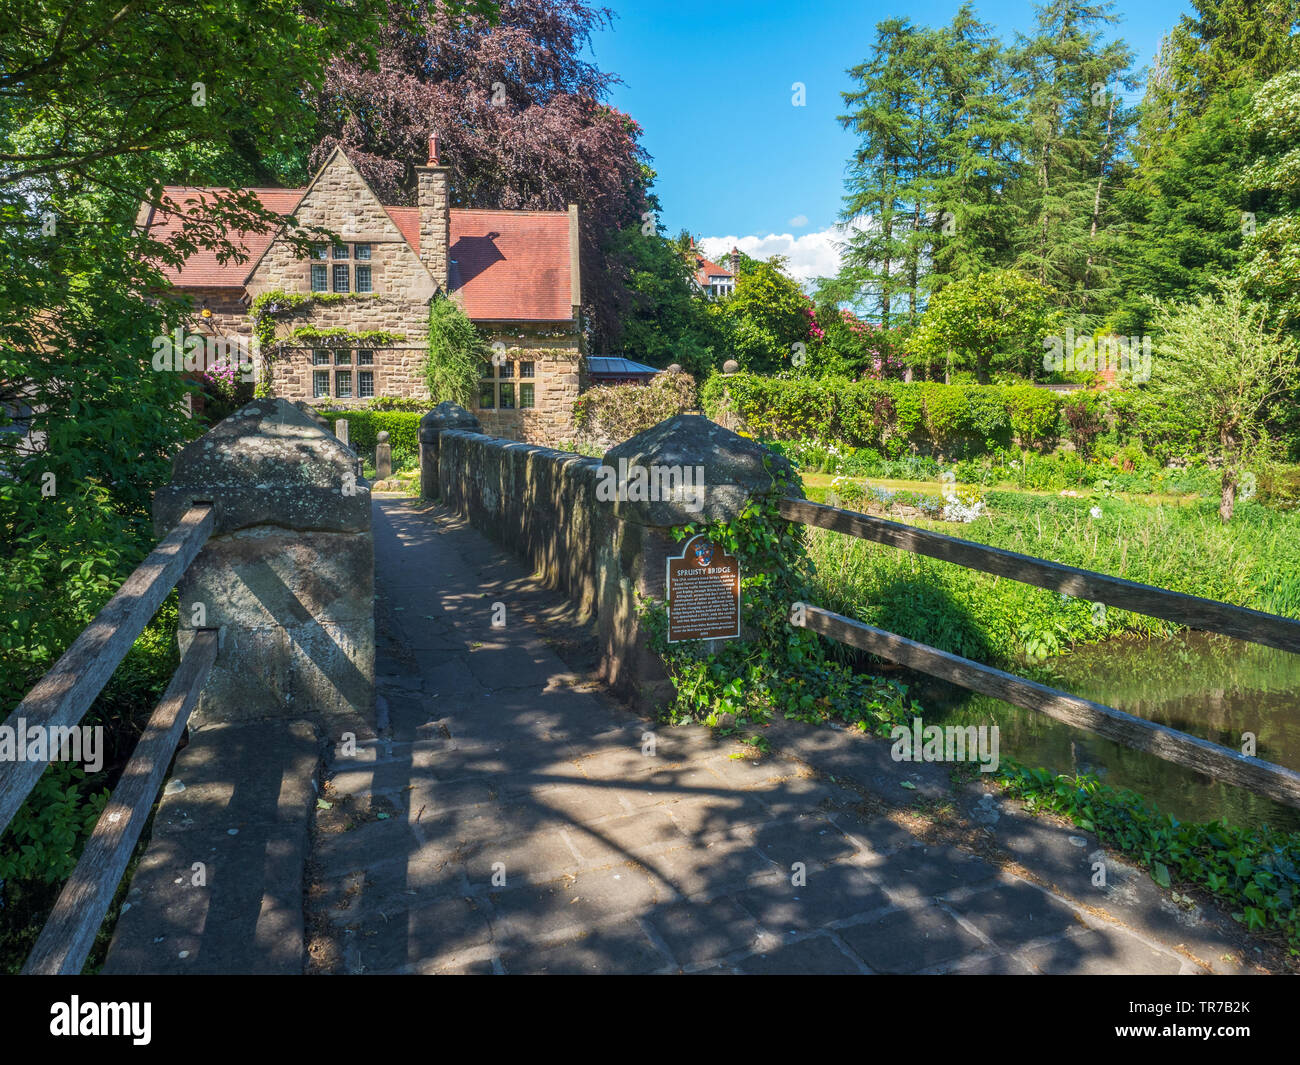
(705, 270)
(506, 265)
(613, 366)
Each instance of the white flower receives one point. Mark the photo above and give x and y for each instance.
(1095, 512)
(955, 511)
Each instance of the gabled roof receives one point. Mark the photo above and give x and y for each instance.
(706, 269)
(508, 266)
(202, 269)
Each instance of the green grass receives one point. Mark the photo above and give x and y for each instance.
(1250, 562)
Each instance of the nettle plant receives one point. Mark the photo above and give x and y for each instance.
(775, 666)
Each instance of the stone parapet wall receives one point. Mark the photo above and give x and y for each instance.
(288, 573)
(607, 555)
(538, 502)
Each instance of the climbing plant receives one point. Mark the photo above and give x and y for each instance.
(269, 308)
(776, 665)
(456, 354)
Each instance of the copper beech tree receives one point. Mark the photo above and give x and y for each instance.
(522, 121)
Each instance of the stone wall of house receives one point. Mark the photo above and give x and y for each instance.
(557, 376)
(398, 370)
(229, 317)
(341, 201)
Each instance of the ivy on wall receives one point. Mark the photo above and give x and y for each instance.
(269, 308)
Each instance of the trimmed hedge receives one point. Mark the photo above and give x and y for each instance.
(891, 416)
(364, 427)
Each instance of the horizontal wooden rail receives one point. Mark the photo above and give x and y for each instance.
(62, 697)
(1192, 611)
(69, 934)
(1221, 763)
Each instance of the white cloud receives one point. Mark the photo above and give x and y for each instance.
(809, 256)
(798, 221)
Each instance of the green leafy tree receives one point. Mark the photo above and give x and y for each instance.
(765, 318)
(1271, 253)
(1218, 357)
(1188, 204)
(101, 103)
(456, 354)
(665, 320)
(995, 322)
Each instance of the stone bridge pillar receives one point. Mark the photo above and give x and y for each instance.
(288, 575)
(446, 415)
(633, 550)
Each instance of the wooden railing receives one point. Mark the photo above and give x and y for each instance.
(60, 700)
(1264, 778)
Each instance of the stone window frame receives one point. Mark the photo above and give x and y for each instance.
(501, 378)
(358, 263)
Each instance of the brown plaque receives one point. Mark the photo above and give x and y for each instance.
(703, 593)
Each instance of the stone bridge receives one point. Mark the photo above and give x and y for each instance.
(429, 746)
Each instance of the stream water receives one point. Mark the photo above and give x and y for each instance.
(1207, 686)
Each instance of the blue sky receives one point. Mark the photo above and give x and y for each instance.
(711, 85)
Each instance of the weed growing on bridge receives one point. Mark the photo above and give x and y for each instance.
(776, 666)
(1255, 873)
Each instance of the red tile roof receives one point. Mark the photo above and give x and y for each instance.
(202, 268)
(407, 220)
(506, 265)
(704, 269)
(512, 265)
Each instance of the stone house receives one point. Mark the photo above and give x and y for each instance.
(355, 323)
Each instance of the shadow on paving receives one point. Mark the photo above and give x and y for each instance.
(506, 820)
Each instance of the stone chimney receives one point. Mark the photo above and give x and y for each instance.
(735, 260)
(433, 196)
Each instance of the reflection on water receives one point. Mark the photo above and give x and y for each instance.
(1208, 686)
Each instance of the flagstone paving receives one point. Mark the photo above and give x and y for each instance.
(508, 817)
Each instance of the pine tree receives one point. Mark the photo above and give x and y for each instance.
(875, 265)
(979, 154)
(1077, 127)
